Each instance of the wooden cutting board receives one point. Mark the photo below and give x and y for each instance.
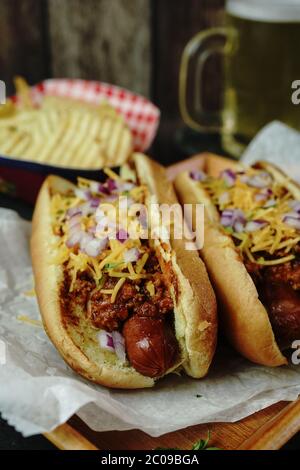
(268, 429)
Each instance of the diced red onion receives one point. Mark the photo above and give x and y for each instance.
(233, 218)
(295, 205)
(85, 240)
(295, 215)
(224, 198)
(75, 229)
(227, 218)
(82, 194)
(92, 229)
(91, 248)
(103, 189)
(111, 184)
(254, 225)
(106, 341)
(131, 255)
(94, 202)
(229, 212)
(119, 345)
(74, 239)
(122, 235)
(263, 194)
(96, 187)
(74, 225)
(226, 221)
(113, 342)
(95, 246)
(239, 221)
(198, 175)
(270, 203)
(266, 191)
(229, 177)
(74, 220)
(86, 208)
(244, 178)
(104, 242)
(73, 211)
(260, 197)
(260, 180)
(238, 226)
(292, 221)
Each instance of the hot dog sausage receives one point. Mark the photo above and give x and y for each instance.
(283, 305)
(151, 345)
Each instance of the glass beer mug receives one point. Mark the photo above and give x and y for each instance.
(260, 43)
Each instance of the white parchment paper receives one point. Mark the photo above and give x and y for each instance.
(279, 144)
(38, 391)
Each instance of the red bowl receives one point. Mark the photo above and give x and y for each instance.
(23, 178)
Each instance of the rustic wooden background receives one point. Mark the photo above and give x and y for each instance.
(132, 43)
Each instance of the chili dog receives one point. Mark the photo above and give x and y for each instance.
(122, 310)
(251, 250)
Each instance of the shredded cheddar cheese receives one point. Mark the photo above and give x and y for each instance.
(76, 209)
(131, 270)
(259, 199)
(116, 289)
(275, 261)
(141, 263)
(113, 255)
(83, 183)
(150, 288)
(111, 174)
(61, 254)
(128, 275)
(30, 321)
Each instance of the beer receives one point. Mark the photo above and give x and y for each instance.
(262, 70)
(262, 61)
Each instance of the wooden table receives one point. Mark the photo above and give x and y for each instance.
(267, 429)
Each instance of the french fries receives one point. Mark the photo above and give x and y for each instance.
(63, 132)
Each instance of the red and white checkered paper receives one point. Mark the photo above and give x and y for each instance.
(140, 114)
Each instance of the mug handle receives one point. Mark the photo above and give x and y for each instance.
(202, 46)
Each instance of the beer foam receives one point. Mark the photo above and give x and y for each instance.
(279, 11)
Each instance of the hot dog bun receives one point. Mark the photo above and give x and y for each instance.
(195, 310)
(244, 317)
